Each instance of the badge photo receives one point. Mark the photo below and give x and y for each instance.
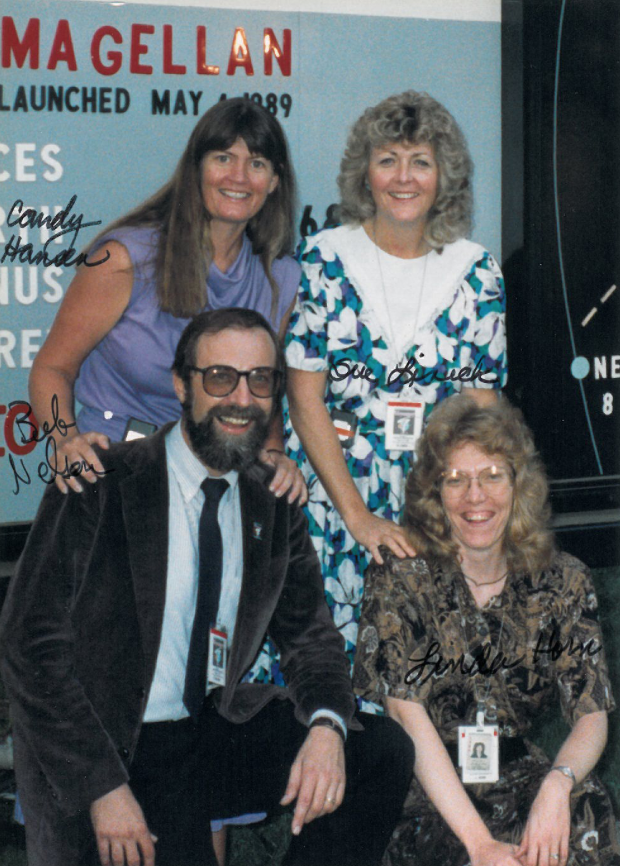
(216, 662)
(479, 753)
(403, 424)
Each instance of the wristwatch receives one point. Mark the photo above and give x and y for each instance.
(566, 771)
(325, 721)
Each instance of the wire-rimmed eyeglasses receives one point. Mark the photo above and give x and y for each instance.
(494, 479)
(220, 380)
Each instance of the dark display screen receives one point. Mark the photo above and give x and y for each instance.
(562, 239)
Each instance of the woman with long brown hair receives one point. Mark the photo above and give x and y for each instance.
(217, 234)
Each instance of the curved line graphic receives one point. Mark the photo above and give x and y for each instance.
(559, 230)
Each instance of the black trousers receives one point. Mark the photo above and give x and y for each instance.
(186, 773)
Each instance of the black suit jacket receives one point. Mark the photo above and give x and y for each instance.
(81, 627)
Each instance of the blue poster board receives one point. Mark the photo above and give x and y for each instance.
(97, 102)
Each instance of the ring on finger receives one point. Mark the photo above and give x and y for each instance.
(555, 856)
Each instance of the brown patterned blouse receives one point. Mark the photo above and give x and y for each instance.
(423, 638)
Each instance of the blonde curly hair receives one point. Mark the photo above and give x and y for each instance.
(497, 429)
(411, 117)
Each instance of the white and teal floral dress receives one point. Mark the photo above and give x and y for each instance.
(336, 324)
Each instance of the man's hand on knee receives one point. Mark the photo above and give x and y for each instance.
(317, 778)
(122, 833)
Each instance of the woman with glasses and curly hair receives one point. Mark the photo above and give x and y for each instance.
(475, 640)
(395, 306)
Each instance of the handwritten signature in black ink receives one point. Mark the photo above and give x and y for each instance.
(49, 468)
(486, 662)
(408, 374)
(481, 663)
(63, 223)
(556, 647)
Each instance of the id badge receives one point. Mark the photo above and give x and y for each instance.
(479, 753)
(216, 661)
(403, 424)
(346, 425)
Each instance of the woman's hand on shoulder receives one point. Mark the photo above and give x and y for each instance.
(287, 478)
(76, 455)
(548, 825)
(371, 532)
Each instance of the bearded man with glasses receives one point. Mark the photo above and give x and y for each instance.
(135, 613)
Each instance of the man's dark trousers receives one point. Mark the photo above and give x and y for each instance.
(185, 773)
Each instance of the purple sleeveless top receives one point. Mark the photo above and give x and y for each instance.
(128, 373)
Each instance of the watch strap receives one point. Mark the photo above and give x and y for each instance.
(326, 722)
(566, 771)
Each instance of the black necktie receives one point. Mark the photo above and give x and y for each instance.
(208, 598)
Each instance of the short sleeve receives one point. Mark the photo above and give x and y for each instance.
(395, 633)
(580, 664)
(318, 301)
(484, 342)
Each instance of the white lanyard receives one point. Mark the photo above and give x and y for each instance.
(393, 353)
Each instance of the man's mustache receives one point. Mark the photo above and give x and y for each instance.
(241, 413)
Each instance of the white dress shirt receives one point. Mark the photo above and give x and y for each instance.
(185, 475)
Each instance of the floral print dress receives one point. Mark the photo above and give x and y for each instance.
(419, 622)
(335, 326)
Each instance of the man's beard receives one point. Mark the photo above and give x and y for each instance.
(226, 451)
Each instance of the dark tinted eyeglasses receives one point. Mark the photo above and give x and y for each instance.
(220, 381)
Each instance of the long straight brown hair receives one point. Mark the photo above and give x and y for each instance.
(185, 252)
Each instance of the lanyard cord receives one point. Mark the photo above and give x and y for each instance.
(391, 336)
(481, 702)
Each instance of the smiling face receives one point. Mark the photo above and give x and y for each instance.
(403, 180)
(235, 183)
(227, 432)
(478, 517)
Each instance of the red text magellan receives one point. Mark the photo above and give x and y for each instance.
(112, 50)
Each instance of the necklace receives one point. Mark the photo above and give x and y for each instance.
(392, 338)
(482, 709)
(485, 583)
